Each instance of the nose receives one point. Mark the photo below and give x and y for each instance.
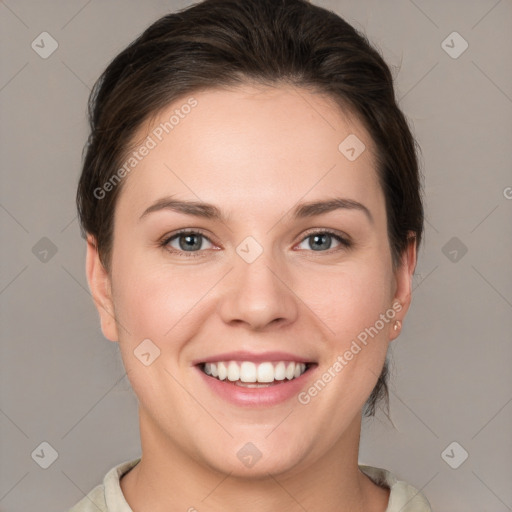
(259, 295)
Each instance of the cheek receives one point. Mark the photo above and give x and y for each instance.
(357, 340)
(350, 299)
(159, 301)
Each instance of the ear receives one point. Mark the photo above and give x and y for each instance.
(404, 278)
(101, 290)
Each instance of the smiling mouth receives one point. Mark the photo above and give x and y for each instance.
(255, 375)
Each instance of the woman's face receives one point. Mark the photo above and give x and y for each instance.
(268, 282)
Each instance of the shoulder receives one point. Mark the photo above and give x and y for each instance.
(93, 502)
(403, 497)
(107, 496)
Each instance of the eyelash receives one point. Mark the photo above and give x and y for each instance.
(345, 243)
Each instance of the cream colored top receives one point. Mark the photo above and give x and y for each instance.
(108, 497)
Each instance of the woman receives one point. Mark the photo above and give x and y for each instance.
(251, 201)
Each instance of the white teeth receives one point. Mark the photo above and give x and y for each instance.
(280, 371)
(250, 372)
(265, 372)
(290, 371)
(233, 371)
(221, 368)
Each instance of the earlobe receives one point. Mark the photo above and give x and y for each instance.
(404, 278)
(101, 290)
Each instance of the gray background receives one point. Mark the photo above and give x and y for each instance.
(63, 383)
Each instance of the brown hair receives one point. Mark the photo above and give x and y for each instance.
(218, 43)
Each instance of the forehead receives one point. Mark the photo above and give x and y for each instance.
(253, 145)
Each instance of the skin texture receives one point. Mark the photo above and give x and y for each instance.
(254, 152)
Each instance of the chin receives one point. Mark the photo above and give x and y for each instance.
(255, 459)
(259, 470)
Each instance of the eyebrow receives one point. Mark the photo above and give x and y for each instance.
(209, 211)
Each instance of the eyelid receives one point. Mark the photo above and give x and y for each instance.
(312, 231)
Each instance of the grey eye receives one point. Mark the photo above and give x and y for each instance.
(188, 242)
(321, 241)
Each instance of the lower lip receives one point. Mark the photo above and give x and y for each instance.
(254, 397)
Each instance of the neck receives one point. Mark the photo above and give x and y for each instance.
(166, 474)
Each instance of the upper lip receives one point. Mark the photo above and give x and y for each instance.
(252, 356)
